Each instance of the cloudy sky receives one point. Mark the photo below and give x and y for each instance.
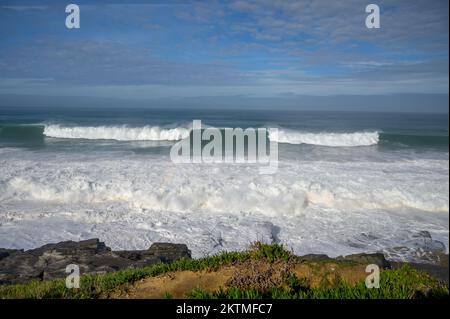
(262, 50)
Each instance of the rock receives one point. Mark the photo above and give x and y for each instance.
(315, 257)
(422, 293)
(376, 258)
(92, 256)
(438, 270)
(6, 252)
(169, 251)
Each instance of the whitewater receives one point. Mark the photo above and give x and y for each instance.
(326, 139)
(342, 186)
(118, 133)
(136, 200)
(156, 133)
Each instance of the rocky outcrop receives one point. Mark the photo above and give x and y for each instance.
(364, 259)
(367, 259)
(91, 256)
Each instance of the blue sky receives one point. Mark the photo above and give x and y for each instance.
(233, 49)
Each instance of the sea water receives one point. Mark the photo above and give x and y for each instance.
(346, 182)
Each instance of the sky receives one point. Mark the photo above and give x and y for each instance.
(220, 53)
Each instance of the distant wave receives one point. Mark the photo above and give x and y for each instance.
(119, 133)
(157, 133)
(31, 132)
(326, 139)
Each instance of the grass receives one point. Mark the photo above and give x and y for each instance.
(95, 286)
(168, 295)
(401, 283)
(270, 253)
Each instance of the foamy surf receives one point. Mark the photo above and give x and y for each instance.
(326, 139)
(135, 200)
(157, 133)
(118, 133)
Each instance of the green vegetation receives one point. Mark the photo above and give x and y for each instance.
(94, 286)
(401, 283)
(168, 295)
(270, 253)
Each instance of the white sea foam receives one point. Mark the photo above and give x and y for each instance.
(119, 133)
(326, 139)
(157, 133)
(312, 206)
(141, 184)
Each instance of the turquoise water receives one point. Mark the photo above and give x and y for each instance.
(25, 126)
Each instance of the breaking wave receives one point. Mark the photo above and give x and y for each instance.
(326, 139)
(118, 133)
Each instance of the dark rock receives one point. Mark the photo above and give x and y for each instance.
(90, 246)
(92, 256)
(6, 252)
(315, 257)
(169, 252)
(376, 258)
(422, 293)
(437, 270)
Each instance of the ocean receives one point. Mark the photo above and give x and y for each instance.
(346, 182)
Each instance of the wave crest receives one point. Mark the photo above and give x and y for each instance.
(119, 133)
(326, 139)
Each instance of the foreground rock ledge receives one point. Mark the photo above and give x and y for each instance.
(92, 256)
